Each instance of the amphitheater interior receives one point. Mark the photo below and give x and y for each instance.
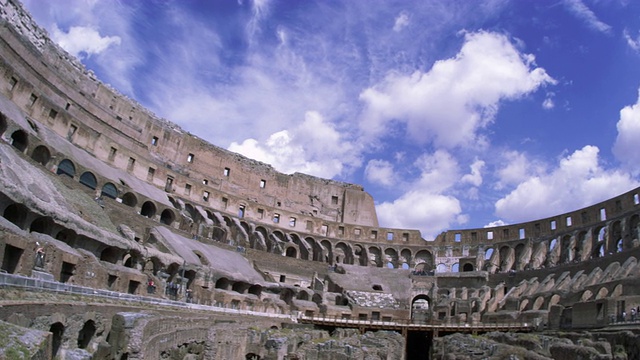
(123, 236)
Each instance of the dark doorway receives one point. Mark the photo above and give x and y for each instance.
(12, 256)
(57, 330)
(418, 345)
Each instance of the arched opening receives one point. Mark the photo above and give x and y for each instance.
(167, 217)
(42, 225)
(223, 283)
(455, 267)
(67, 236)
(467, 267)
(57, 330)
(255, 290)
(240, 287)
(20, 140)
(110, 255)
(129, 199)
(86, 334)
(89, 180)
(441, 268)
(291, 252)
(109, 190)
(66, 167)
(41, 155)
(420, 309)
(148, 209)
(17, 214)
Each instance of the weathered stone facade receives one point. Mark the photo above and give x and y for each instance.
(99, 196)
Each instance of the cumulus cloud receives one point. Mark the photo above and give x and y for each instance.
(581, 11)
(314, 147)
(548, 102)
(517, 168)
(83, 41)
(380, 172)
(576, 182)
(427, 206)
(475, 176)
(625, 147)
(401, 21)
(458, 96)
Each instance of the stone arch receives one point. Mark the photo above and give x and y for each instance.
(67, 236)
(602, 293)
(537, 304)
(86, 334)
(57, 329)
(66, 167)
(240, 287)
(420, 308)
(42, 225)
(567, 251)
(375, 256)
(302, 248)
(203, 259)
(615, 237)
(360, 255)
(424, 261)
(467, 267)
(441, 268)
(391, 258)
(586, 295)
(111, 254)
(506, 258)
(523, 304)
(315, 253)
(148, 209)
(167, 217)
(617, 291)
(455, 267)
(327, 251)
(89, 180)
(16, 214)
(303, 295)
(291, 252)
(583, 246)
(405, 258)
(109, 190)
(41, 155)
(342, 254)
(555, 299)
(223, 283)
(129, 199)
(20, 140)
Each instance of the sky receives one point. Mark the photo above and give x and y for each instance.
(451, 114)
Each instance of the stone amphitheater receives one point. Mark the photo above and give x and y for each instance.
(124, 237)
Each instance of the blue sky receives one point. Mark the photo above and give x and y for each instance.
(452, 114)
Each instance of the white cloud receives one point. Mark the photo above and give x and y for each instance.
(548, 104)
(380, 172)
(401, 21)
(578, 181)
(496, 223)
(426, 206)
(83, 41)
(475, 176)
(458, 96)
(581, 11)
(626, 148)
(518, 168)
(633, 43)
(314, 147)
(418, 209)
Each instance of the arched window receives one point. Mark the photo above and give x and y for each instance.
(441, 268)
(148, 209)
(129, 199)
(167, 217)
(455, 267)
(41, 155)
(17, 214)
(66, 167)
(467, 267)
(109, 190)
(20, 140)
(89, 180)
